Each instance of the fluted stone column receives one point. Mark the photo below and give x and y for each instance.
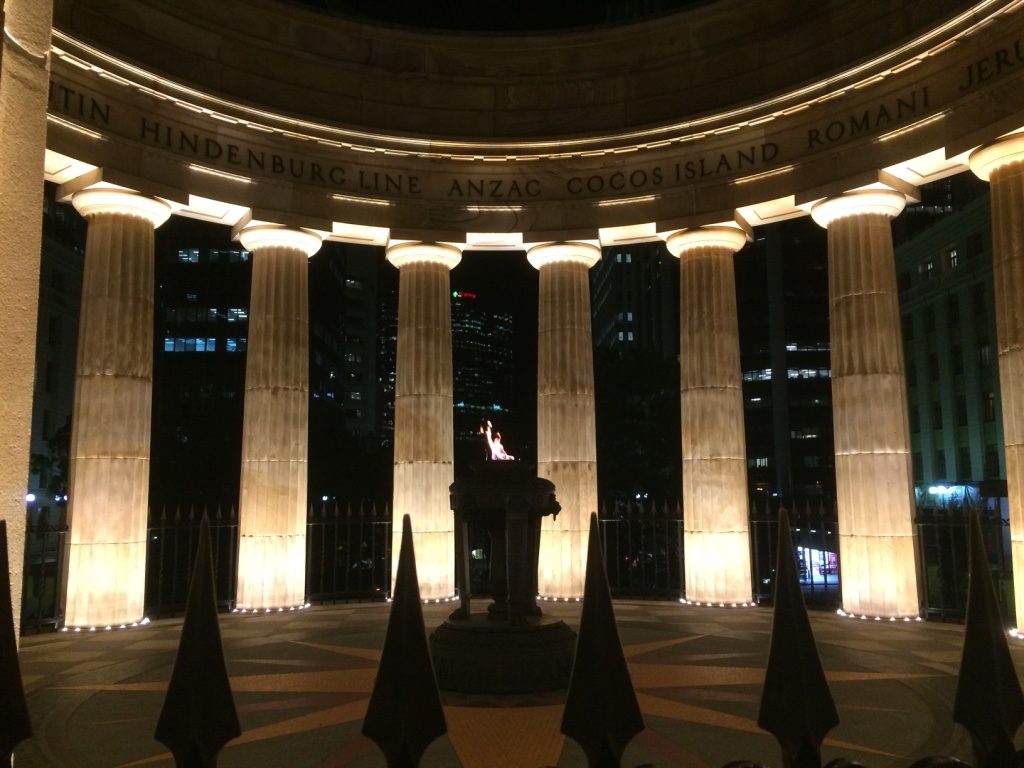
(108, 492)
(1002, 165)
(424, 433)
(716, 541)
(874, 483)
(24, 86)
(566, 435)
(272, 501)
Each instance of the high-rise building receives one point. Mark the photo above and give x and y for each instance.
(482, 359)
(346, 460)
(60, 288)
(635, 324)
(634, 296)
(202, 311)
(202, 320)
(782, 300)
(947, 307)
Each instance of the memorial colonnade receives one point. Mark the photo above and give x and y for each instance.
(567, 143)
(110, 454)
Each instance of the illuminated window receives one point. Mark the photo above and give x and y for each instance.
(952, 258)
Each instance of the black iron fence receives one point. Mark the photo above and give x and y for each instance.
(348, 555)
(172, 539)
(643, 547)
(942, 545)
(815, 532)
(45, 537)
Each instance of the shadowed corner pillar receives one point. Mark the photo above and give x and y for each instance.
(874, 484)
(275, 425)
(1002, 165)
(424, 457)
(108, 492)
(716, 539)
(24, 87)
(566, 434)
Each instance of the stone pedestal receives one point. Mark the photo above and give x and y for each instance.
(566, 436)
(510, 648)
(716, 540)
(874, 485)
(108, 490)
(424, 438)
(1002, 164)
(478, 656)
(272, 502)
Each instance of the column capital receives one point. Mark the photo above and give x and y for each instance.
(587, 254)
(411, 251)
(726, 236)
(884, 201)
(108, 200)
(986, 159)
(256, 236)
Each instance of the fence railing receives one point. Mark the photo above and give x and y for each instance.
(815, 531)
(45, 537)
(172, 539)
(348, 555)
(942, 536)
(643, 548)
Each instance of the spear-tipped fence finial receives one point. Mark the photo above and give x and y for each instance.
(405, 713)
(198, 717)
(601, 710)
(796, 704)
(988, 701)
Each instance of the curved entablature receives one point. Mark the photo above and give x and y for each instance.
(614, 134)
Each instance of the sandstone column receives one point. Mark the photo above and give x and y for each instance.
(424, 436)
(24, 86)
(1002, 165)
(874, 483)
(566, 435)
(715, 541)
(272, 494)
(108, 491)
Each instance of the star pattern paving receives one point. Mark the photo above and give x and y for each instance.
(302, 683)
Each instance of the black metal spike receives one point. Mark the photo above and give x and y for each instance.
(988, 701)
(796, 704)
(405, 713)
(601, 710)
(198, 717)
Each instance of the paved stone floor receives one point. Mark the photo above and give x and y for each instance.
(302, 681)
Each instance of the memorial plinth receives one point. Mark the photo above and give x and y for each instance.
(511, 647)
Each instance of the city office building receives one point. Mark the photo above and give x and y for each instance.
(60, 289)
(202, 314)
(947, 308)
(782, 300)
